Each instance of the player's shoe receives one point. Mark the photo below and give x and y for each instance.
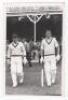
(49, 85)
(53, 82)
(14, 85)
(21, 81)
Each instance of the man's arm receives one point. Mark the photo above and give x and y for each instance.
(9, 55)
(24, 54)
(23, 50)
(42, 48)
(9, 52)
(57, 50)
(42, 52)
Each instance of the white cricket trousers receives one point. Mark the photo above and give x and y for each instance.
(50, 69)
(16, 68)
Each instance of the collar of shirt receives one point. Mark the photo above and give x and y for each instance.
(15, 44)
(48, 40)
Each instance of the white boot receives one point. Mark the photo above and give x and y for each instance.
(48, 79)
(14, 85)
(49, 84)
(21, 78)
(21, 81)
(53, 81)
(53, 77)
(14, 79)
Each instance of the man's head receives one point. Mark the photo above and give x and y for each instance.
(24, 40)
(48, 33)
(15, 37)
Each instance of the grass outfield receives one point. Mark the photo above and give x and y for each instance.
(32, 82)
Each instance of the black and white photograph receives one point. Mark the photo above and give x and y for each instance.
(34, 49)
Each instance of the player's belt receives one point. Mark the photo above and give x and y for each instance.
(49, 55)
(17, 56)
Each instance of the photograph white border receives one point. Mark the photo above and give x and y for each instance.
(2, 54)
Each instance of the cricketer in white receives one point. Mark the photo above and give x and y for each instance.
(48, 57)
(16, 58)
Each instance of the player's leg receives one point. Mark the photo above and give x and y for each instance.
(29, 59)
(21, 76)
(53, 75)
(47, 72)
(53, 69)
(14, 79)
(13, 72)
(20, 71)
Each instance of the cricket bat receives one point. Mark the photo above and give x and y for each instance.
(42, 77)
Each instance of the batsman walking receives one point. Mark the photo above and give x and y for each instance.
(16, 58)
(49, 46)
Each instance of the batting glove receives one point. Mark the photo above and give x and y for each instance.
(41, 60)
(57, 57)
(25, 60)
